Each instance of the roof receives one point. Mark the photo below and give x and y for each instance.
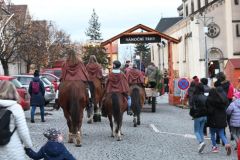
(166, 23)
(143, 27)
(235, 63)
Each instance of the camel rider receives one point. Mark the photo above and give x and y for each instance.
(135, 76)
(117, 82)
(94, 70)
(73, 70)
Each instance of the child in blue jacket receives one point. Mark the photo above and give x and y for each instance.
(54, 149)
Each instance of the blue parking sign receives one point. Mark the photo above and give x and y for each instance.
(183, 83)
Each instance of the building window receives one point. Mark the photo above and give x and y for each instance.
(186, 10)
(192, 6)
(206, 2)
(237, 30)
(199, 4)
(236, 2)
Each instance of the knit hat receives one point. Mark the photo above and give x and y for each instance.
(36, 73)
(52, 134)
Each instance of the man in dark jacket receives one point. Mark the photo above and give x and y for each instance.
(37, 96)
(204, 81)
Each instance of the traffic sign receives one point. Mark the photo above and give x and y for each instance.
(183, 83)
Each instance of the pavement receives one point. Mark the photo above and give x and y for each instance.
(166, 134)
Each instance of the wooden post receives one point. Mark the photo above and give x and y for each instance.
(171, 73)
(111, 54)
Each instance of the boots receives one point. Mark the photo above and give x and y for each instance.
(228, 149)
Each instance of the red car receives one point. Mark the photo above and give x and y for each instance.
(55, 71)
(24, 97)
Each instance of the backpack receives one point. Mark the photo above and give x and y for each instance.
(35, 87)
(5, 133)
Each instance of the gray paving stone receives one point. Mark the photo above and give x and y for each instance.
(141, 143)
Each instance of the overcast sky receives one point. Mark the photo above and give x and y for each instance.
(115, 16)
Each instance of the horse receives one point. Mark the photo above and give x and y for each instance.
(138, 98)
(114, 105)
(73, 98)
(97, 94)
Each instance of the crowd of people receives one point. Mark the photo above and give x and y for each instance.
(215, 107)
(210, 107)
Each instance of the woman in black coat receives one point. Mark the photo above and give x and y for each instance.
(217, 103)
(199, 114)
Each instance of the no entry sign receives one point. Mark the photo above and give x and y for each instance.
(183, 83)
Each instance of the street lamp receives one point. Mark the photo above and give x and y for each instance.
(205, 21)
(163, 47)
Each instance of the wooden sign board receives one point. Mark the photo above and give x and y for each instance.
(140, 39)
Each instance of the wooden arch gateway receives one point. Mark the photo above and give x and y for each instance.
(149, 36)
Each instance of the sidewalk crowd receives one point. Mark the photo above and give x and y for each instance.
(215, 108)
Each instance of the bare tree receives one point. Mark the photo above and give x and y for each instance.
(32, 48)
(10, 33)
(58, 42)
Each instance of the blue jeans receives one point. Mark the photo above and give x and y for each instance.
(129, 101)
(41, 111)
(221, 134)
(198, 128)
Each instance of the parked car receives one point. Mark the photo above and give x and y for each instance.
(49, 88)
(53, 79)
(55, 71)
(23, 93)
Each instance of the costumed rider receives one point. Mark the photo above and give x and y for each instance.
(117, 82)
(74, 70)
(135, 76)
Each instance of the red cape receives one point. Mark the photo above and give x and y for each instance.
(117, 82)
(94, 70)
(135, 76)
(74, 72)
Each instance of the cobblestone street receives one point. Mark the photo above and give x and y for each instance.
(166, 134)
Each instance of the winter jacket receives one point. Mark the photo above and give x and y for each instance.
(37, 99)
(50, 151)
(234, 111)
(14, 149)
(189, 95)
(199, 106)
(216, 110)
(206, 90)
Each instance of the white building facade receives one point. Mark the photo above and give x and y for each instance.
(219, 19)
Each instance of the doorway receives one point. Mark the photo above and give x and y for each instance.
(213, 68)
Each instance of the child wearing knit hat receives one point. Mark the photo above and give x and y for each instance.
(54, 149)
